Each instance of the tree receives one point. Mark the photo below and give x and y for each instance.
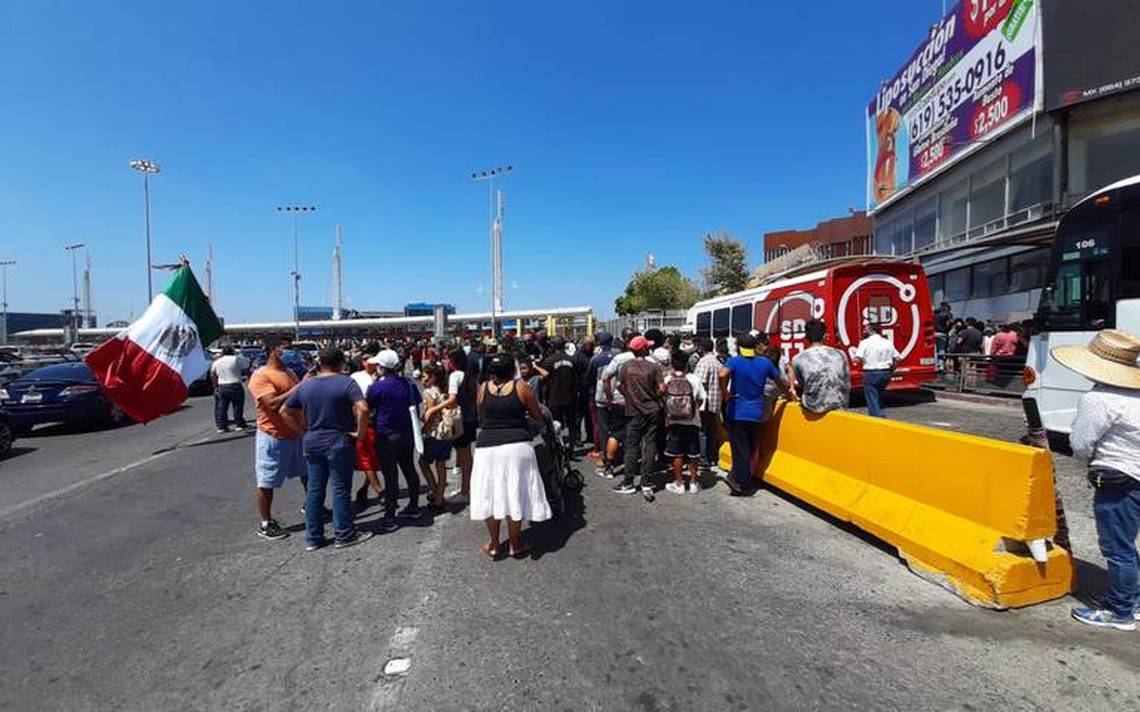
(664, 288)
(728, 264)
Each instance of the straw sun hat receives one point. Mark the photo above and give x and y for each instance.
(1109, 358)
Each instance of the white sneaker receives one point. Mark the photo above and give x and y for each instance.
(675, 488)
(694, 488)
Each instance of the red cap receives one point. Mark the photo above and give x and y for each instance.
(638, 344)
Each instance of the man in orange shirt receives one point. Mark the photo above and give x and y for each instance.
(277, 446)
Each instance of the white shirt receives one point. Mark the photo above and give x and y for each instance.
(454, 381)
(228, 369)
(1106, 430)
(613, 368)
(363, 379)
(876, 353)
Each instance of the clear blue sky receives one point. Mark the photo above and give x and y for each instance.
(634, 127)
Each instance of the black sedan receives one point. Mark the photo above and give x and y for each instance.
(62, 393)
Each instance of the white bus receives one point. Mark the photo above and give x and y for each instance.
(1093, 283)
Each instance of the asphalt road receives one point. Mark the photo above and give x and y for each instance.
(147, 589)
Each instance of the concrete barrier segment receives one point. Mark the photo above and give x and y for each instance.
(972, 514)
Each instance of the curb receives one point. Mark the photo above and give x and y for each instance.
(996, 401)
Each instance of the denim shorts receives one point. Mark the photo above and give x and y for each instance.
(276, 459)
(683, 441)
(436, 450)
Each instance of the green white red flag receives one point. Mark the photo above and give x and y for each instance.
(146, 370)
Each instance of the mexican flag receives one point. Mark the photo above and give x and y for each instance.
(146, 369)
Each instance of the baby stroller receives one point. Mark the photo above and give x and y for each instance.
(552, 448)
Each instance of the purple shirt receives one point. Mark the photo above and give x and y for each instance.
(390, 399)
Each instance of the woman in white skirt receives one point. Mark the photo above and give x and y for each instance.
(505, 481)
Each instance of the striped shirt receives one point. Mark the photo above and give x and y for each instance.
(708, 368)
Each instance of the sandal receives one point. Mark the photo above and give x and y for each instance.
(524, 550)
(493, 552)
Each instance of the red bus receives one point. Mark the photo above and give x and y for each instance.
(845, 293)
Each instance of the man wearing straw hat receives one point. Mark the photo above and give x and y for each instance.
(1106, 431)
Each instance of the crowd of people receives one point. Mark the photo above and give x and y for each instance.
(648, 406)
(956, 337)
(641, 405)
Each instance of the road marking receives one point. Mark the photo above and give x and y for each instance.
(401, 646)
(95, 479)
(941, 424)
(397, 666)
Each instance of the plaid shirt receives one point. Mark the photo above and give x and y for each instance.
(708, 368)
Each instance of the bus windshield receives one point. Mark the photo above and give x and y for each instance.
(1078, 292)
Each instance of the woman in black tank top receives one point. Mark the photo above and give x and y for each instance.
(505, 479)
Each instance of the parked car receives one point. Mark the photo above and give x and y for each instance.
(61, 393)
(7, 434)
(309, 349)
(296, 362)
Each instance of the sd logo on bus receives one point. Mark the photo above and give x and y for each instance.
(879, 299)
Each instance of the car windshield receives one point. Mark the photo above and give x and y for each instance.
(61, 372)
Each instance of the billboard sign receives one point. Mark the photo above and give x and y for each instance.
(975, 77)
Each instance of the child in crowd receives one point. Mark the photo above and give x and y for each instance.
(684, 396)
(439, 430)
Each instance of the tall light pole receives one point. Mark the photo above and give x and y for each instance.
(296, 210)
(496, 240)
(147, 168)
(4, 265)
(74, 290)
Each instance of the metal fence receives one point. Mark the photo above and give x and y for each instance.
(666, 320)
(975, 373)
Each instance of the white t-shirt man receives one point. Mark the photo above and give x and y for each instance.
(228, 369)
(876, 353)
(363, 379)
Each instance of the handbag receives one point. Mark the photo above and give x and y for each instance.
(450, 424)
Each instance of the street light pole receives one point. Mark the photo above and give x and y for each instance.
(4, 265)
(147, 168)
(74, 291)
(296, 210)
(496, 242)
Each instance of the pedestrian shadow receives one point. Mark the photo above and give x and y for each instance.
(551, 536)
(15, 451)
(1091, 581)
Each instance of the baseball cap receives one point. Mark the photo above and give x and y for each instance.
(638, 344)
(746, 344)
(385, 359)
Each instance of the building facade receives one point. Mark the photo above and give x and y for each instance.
(838, 237)
(981, 220)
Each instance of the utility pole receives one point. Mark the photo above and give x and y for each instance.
(147, 168)
(337, 286)
(210, 272)
(296, 210)
(497, 256)
(4, 265)
(496, 240)
(74, 292)
(88, 310)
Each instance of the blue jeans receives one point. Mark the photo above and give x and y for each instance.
(874, 385)
(227, 397)
(1117, 513)
(334, 466)
(742, 438)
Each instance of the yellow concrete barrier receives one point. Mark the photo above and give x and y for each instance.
(968, 513)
